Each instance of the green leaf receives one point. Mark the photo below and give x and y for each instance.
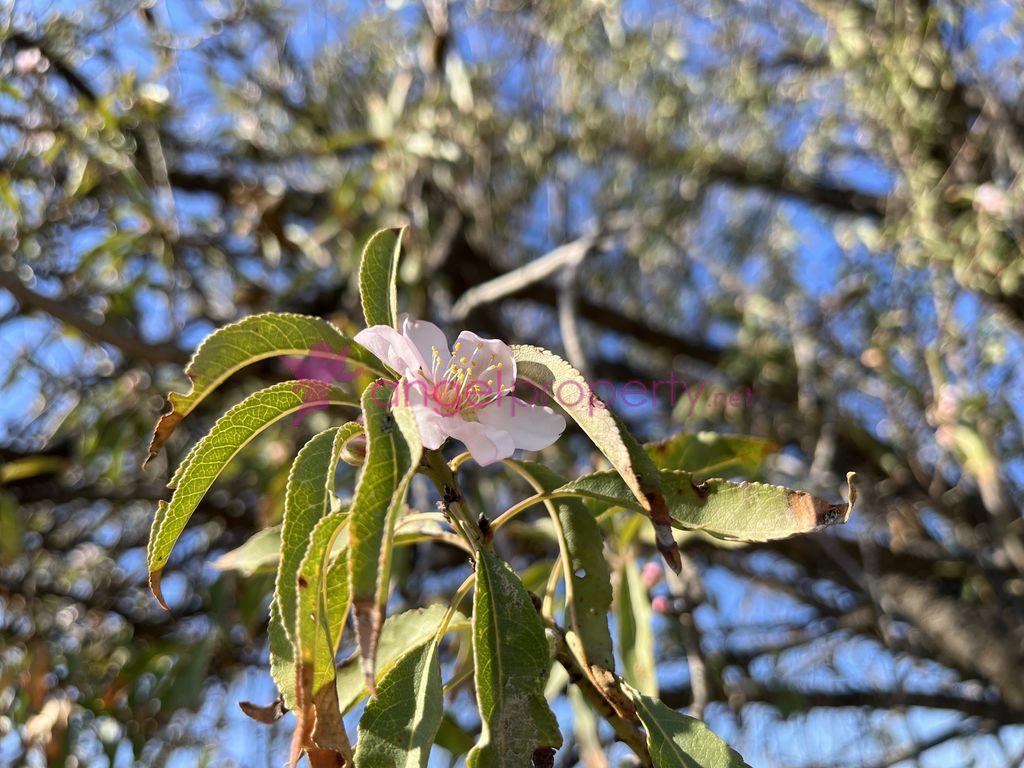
(636, 639)
(398, 727)
(306, 501)
(711, 454)
(346, 434)
(511, 659)
(393, 452)
(399, 634)
(282, 657)
(251, 339)
(589, 587)
(678, 741)
(378, 272)
(232, 432)
(324, 600)
(453, 737)
(741, 511)
(259, 554)
(322, 608)
(553, 375)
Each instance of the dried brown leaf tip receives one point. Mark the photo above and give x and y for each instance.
(700, 487)
(264, 713)
(154, 587)
(663, 537)
(813, 513)
(165, 426)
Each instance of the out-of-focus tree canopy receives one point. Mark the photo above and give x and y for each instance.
(818, 205)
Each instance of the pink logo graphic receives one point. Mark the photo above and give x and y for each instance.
(323, 367)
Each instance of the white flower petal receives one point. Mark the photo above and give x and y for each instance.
(392, 348)
(491, 360)
(415, 393)
(486, 444)
(531, 427)
(426, 337)
(431, 425)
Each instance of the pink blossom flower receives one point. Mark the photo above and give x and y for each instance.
(463, 392)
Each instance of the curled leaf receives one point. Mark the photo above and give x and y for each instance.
(636, 637)
(268, 714)
(378, 272)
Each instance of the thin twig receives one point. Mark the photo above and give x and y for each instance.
(512, 282)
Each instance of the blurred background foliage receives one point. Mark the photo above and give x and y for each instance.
(817, 204)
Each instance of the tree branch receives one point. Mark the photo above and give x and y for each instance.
(108, 332)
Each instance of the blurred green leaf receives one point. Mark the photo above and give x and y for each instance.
(12, 527)
(589, 597)
(453, 737)
(709, 454)
(29, 467)
(636, 636)
(260, 553)
(585, 728)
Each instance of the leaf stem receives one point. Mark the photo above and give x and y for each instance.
(517, 508)
(452, 499)
(460, 595)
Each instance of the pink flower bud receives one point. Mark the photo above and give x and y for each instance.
(651, 574)
(661, 605)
